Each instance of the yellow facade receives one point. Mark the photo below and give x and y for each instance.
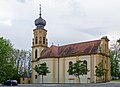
(25, 80)
(58, 66)
(64, 77)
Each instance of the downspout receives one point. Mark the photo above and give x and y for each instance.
(58, 70)
(58, 63)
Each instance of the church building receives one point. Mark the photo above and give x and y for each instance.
(58, 58)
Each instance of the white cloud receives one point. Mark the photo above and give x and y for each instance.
(68, 21)
(7, 22)
(22, 1)
(5, 13)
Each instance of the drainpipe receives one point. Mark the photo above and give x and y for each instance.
(58, 64)
(58, 70)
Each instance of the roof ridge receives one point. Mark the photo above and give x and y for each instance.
(80, 42)
(74, 49)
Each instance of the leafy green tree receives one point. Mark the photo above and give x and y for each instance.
(114, 65)
(77, 69)
(7, 63)
(71, 67)
(5, 57)
(100, 71)
(115, 59)
(42, 70)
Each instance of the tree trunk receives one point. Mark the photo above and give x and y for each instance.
(42, 79)
(79, 79)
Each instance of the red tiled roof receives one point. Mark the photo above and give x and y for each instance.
(50, 52)
(77, 49)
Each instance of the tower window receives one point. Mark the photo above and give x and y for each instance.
(36, 40)
(36, 53)
(33, 42)
(40, 41)
(105, 47)
(46, 41)
(43, 40)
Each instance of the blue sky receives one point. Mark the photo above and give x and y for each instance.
(68, 21)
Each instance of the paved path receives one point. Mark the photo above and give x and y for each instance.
(110, 84)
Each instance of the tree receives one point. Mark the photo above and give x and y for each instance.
(114, 65)
(23, 61)
(42, 70)
(100, 71)
(7, 66)
(77, 69)
(5, 54)
(115, 59)
(13, 62)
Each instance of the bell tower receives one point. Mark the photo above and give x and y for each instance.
(39, 39)
(39, 42)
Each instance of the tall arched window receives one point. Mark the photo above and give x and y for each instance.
(36, 40)
(36, 53)
(40, 41)
(35, 76)
(105, 48)
(85, 63)
(43, 40)
(70, 67)
(33, 42)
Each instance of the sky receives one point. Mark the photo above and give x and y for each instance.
(68, 21)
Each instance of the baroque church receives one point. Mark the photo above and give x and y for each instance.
(58, 58)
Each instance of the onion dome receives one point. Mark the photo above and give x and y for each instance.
(40, 22)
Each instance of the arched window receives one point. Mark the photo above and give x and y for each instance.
(46, 41)
(36, 53)
(106, 48)
(36, 40)
(35, 76)
(85, 63)
(43, 40)
(70, 67)
(70, 63)
(33, 42)
(40, 40)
